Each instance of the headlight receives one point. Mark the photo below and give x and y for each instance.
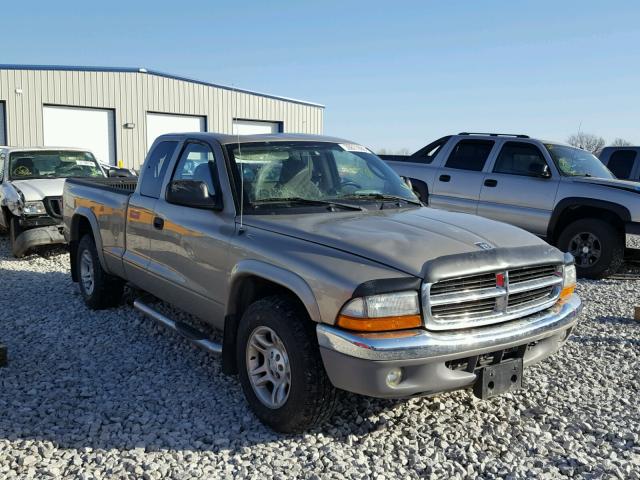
(379, 313)
(568, 281)
(34, 208)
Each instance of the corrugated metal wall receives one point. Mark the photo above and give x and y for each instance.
(131, 95)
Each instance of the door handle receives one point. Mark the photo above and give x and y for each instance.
(445, 178)
(158, 223)
(490, 182)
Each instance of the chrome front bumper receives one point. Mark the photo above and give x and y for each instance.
(360, 362)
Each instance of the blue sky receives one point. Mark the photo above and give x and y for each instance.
(391, 74)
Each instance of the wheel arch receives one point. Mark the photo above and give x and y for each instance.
(575, 208)
(421, 188)
(252, 280)
(84, 222)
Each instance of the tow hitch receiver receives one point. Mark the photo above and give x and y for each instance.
(497, 379)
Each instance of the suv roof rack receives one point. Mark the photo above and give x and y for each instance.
(517, 135)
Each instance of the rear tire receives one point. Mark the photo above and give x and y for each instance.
(598, 247)
(14, 231)
(276, 340)
(99, 290)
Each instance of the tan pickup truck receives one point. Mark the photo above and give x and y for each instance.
(322, 269)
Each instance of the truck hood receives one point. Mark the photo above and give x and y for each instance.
(403, 239)
(39, 188)
(610, 182)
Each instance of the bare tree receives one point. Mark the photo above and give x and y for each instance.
(587, 141)
(620, 142)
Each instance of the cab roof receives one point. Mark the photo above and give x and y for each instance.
(228, 139)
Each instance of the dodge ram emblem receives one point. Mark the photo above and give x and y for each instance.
(484, 245)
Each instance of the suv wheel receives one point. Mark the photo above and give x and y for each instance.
(99, 290)
(280, 368)
(597, 246)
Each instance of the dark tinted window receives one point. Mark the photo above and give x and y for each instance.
(155, 168)
(621, 163)
(197, 163)
(470, 155)
(518, 158)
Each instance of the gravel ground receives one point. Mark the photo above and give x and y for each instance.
(111, 395)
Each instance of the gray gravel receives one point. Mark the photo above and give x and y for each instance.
(112, 395)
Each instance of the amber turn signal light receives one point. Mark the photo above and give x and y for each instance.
(381, 324)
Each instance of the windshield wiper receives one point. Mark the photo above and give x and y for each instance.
(306, 201)
(383, 196)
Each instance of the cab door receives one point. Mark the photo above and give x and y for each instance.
(521, 187)
(140, 210)
(189, 246)
(458, 182)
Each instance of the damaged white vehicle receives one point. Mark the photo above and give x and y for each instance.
(31, 184)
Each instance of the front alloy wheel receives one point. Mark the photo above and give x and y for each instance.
(280, 368)
(268, 367)
(596, 245)
(586, 248)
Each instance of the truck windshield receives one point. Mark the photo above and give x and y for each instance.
(279, 174)
(52, 164)
(575, 162)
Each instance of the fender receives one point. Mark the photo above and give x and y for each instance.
(275, 274)
(10, 199)
(571, 202)
(86, 213)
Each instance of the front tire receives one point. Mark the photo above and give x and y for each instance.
(280, 369)
(597, 246)
(99, 290)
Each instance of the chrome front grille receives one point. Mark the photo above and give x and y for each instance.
(492, 297)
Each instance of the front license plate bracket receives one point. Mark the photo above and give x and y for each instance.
(497, 379)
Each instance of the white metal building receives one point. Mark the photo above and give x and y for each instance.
(118, 112)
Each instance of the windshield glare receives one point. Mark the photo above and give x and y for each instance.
(575, 162)
(314, 171)
(53, 164)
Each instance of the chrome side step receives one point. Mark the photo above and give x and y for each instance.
(194, 335)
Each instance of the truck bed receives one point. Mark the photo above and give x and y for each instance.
(124, 185)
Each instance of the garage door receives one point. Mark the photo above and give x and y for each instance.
(89, 128)
(253, 127)
(161, 123)
(3, 125)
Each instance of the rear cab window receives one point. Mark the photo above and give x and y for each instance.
(426, 154)
(621, 163)
(155, 168)
(470, 154)
(519, 158)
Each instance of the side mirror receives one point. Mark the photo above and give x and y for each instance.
(192, 193)
(539, 170)
(407, 182)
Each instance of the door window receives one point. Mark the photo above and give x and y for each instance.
(155, 169)
(621, 163)
(470, 155)
(197, 163)
(519, 158)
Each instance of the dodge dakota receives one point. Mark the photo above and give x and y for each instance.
(323, 271)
